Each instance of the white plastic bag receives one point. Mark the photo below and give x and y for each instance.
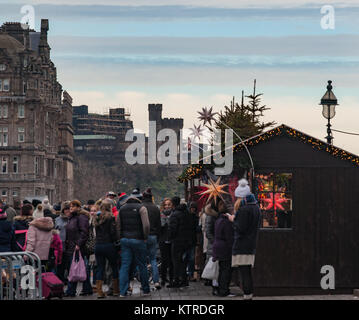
(211, 270)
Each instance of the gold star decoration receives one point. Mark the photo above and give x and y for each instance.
(214, 190)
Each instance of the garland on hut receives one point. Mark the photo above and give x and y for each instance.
(195, 170)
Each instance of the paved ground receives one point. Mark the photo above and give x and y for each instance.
(198, 291)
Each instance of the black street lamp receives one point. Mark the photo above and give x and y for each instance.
(329, 101)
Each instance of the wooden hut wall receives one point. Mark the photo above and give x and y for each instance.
(325, 220)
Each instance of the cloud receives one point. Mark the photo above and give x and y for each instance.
(236, 50)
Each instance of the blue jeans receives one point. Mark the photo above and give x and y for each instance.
(105, 251)
(151, 245)
(133, 249)
(86, 286)
(190, 260)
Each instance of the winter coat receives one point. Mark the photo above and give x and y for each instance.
(132, 221)
(211, 217)
(223, 238)
(60, 224)
(165, 218)
(105, 226)
(7, 236)
(246, 224)
(56, 245)
(181, 229)
(77, 229)
(154, 216)
(21, 223)
(39, 237)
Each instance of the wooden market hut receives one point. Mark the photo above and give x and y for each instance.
(321, 212)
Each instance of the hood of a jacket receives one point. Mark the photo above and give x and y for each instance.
(209, 211)
(132, 199)
(23, 218)
(44, 224)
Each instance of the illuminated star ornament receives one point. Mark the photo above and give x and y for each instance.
(276, 202)
(196, 132)
(214, 190)
(206, 115)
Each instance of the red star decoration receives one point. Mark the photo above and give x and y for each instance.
(277, 202)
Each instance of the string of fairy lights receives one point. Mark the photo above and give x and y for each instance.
(195, 170)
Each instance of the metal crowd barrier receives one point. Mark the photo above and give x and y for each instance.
(20, 276)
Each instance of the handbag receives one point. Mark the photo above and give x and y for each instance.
(78, 269)
(211, 270)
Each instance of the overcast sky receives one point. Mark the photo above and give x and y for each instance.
(190, 54)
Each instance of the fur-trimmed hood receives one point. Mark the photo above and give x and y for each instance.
(132, 199)
(102, 218)
(44, 224)
(23, 218)
(84, 212)
(209, 211)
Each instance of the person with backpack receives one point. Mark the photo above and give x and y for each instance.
(7, 235)
(133, 228)
(77, 230)
(21, 226)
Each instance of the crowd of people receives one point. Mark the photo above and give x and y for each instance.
(123, 237)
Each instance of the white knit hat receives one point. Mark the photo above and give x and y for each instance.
(243, 189)
(39, 212)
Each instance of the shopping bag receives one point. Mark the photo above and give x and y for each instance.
(211, 270)
(78, 268)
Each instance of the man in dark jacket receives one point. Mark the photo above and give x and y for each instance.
(133, 228)
(154, 217)
(181, 235)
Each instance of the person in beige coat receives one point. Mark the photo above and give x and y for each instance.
(39, 237)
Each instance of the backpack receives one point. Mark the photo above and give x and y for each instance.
(23, 248)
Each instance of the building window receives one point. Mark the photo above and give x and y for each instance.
(2, 67)
(5, 85)
(275, 199)
(15, 164)
(4, 136)
(21, 134)
(4, 165)
(15, 194)
(36, 165)
(4, 193)
(24, 87)
(4, 111)
(21, 111)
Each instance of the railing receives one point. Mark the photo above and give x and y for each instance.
(20, 276)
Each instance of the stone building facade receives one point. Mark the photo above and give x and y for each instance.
(36, 134)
